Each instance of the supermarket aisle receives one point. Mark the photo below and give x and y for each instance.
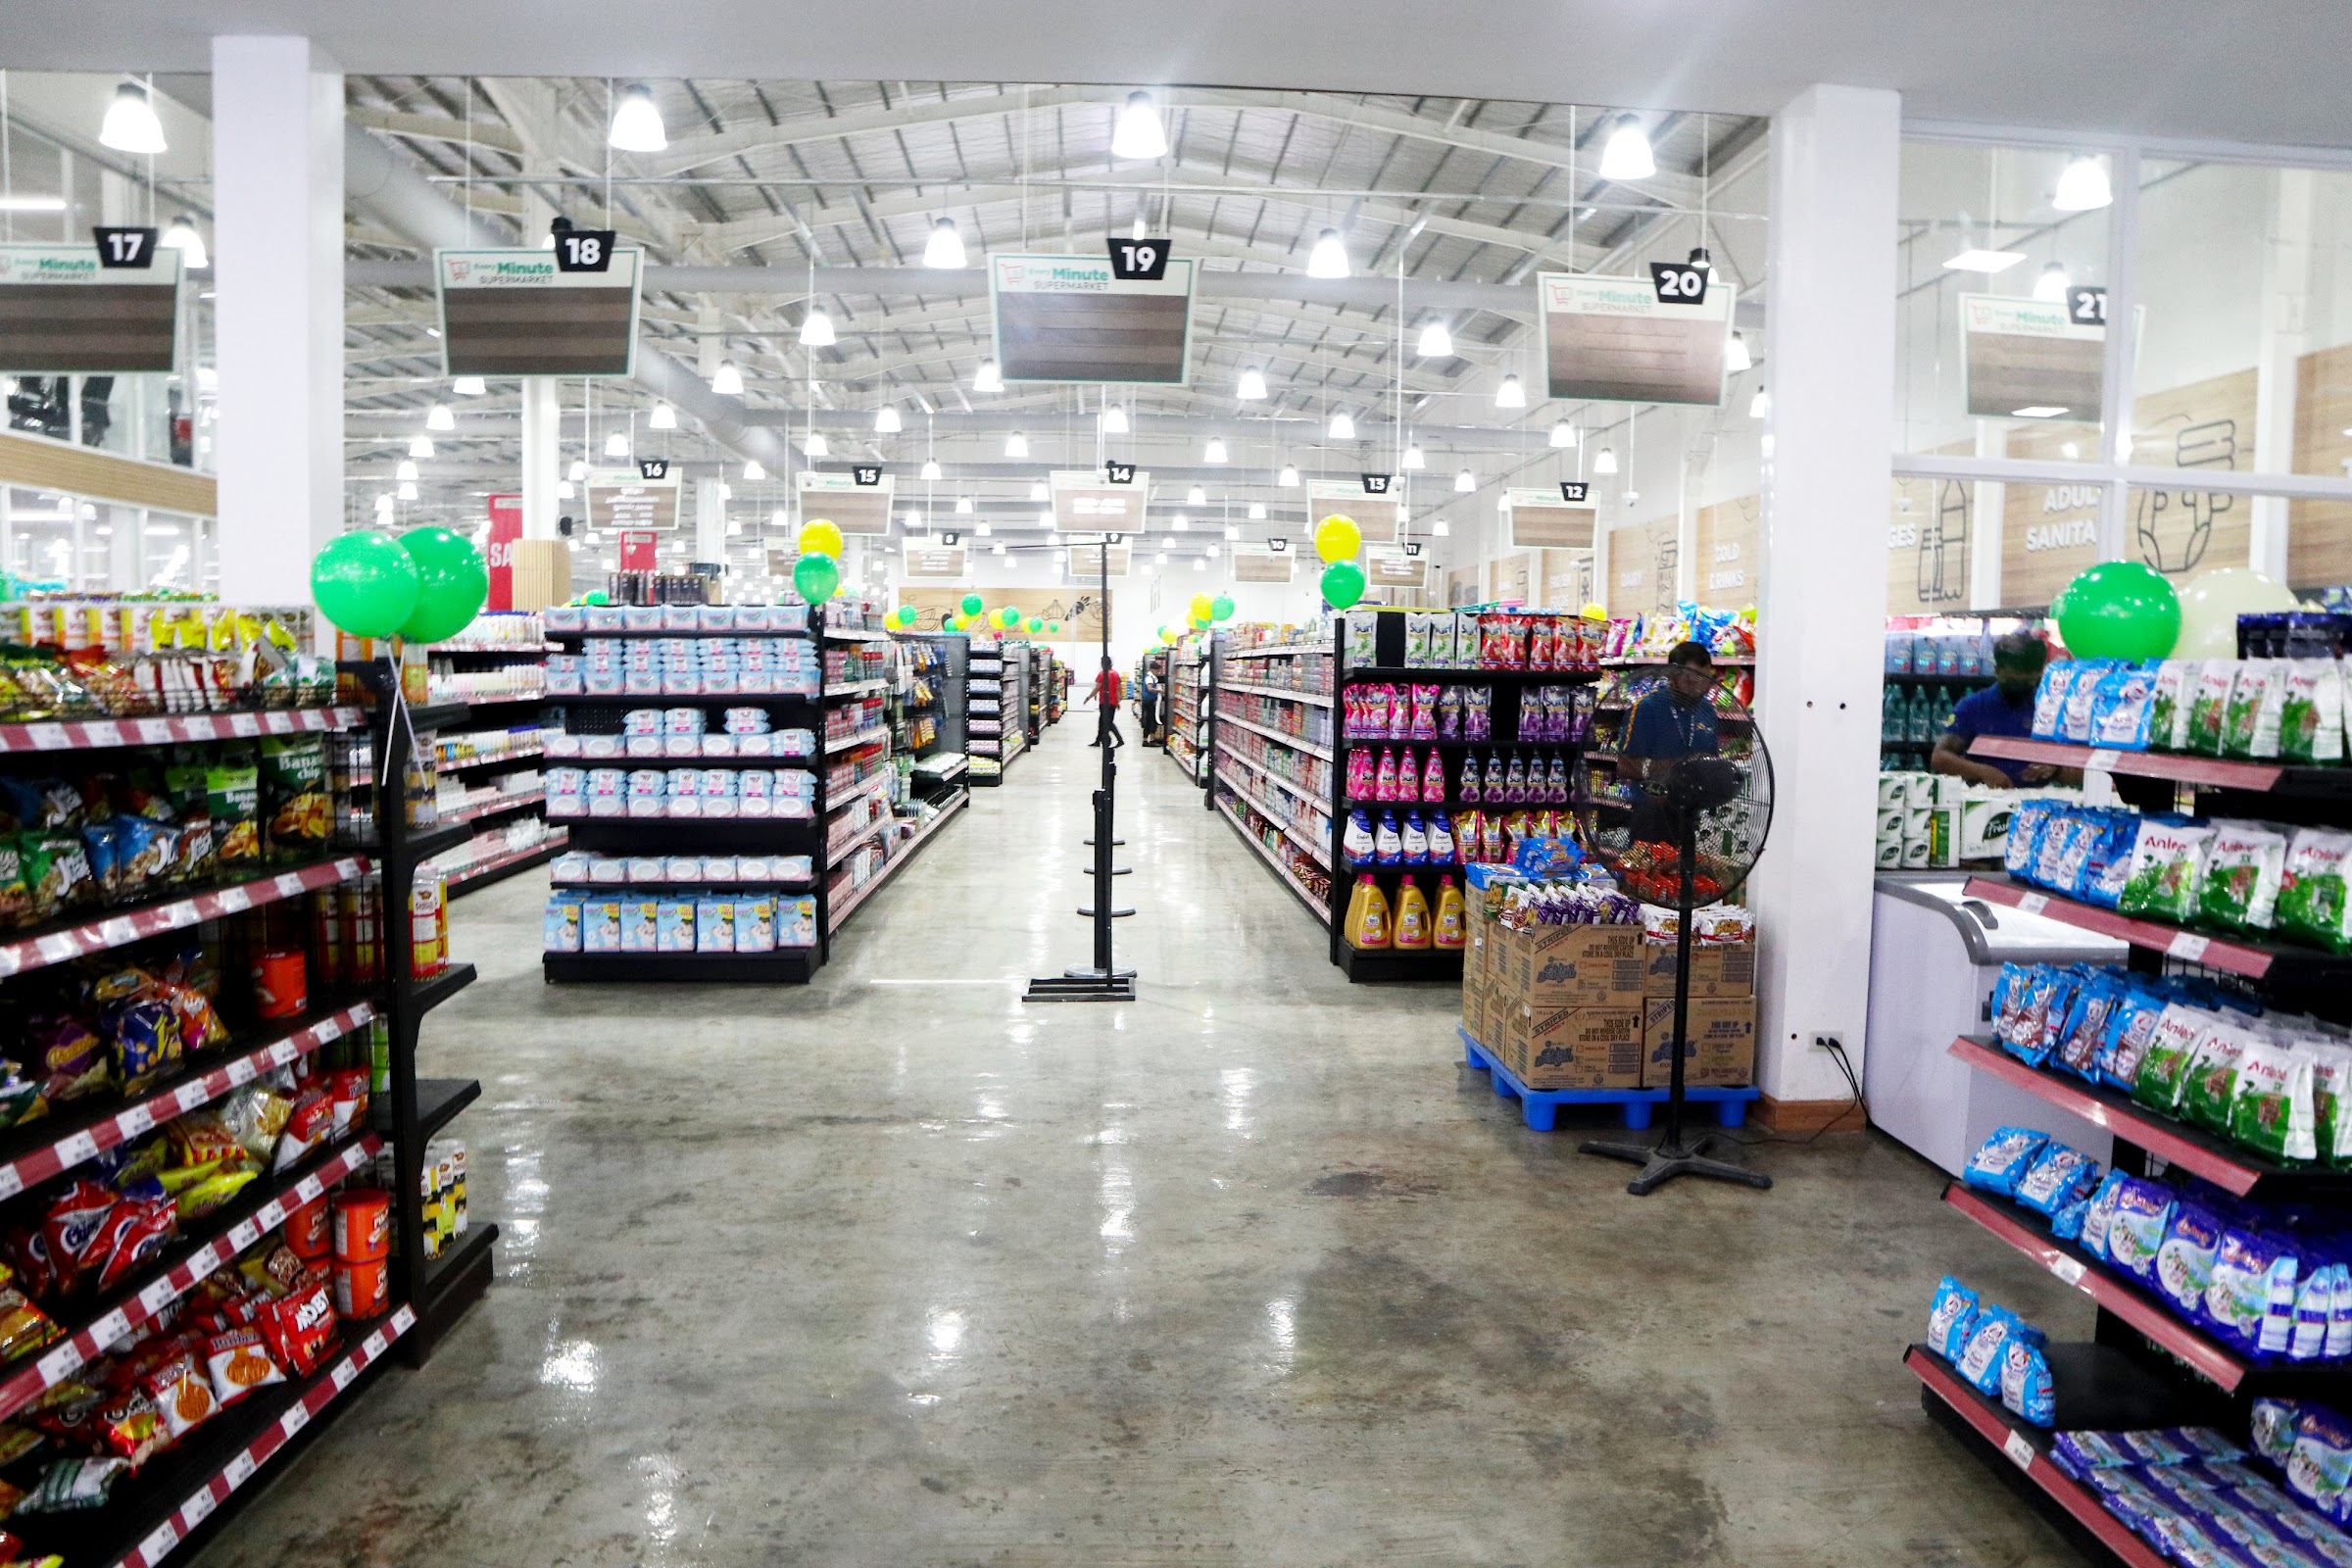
(895, 1271)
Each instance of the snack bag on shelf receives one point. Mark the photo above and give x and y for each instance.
(2049, 699)
(2208, 707)
(2123, 708)
(2003, 1160)
(2257, 702)
(1950, 1317)
(2312, 892)
(2185, 1259)
(2311, 720)
(2238, 888)
(2142, 1212)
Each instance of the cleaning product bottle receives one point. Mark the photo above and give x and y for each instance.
(1388, 844)
(1367, 915)
(1383, 788)
(1433, 779)
(1514, 781)
(1441, 839)
(1358, 841)
(1495, 778)
(1408, 777)
(1470, 793)
(1412, 918)
(1415, 841)
(1451, 932)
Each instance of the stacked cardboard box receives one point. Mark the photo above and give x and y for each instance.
(1721, 1051)
(1559, 1005)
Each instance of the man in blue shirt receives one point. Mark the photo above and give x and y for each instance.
(1674, 721)
(2004, 708)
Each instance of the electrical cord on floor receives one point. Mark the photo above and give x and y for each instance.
(1838, 1054)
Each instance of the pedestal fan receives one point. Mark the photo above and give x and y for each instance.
(1681, 830)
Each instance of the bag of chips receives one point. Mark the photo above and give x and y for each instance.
(75, 1486)
(294, 797)
(232, 799)
(300, 1328)
(238, 1363)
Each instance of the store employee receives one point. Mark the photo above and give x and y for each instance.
(2004, 708)
(1672, 723)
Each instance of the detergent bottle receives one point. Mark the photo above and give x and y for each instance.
(1412, 918)
(1367, 915)
(1450, 932)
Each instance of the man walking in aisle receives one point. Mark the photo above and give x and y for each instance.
(2004, 708)
(1106, 694)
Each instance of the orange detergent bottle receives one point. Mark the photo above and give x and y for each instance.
(1450, 930)
(1367, 915)
(1412, 918)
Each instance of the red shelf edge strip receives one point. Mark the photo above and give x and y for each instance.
(2213, 952)
(2147, 1133)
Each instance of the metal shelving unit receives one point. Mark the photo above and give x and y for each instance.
(487, 717)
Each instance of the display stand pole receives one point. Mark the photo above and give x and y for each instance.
(1101, 982)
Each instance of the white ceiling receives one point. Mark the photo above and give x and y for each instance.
(2255, 71)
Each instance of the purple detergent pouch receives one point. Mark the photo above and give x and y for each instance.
(2003, 1160)
(2249, 1300)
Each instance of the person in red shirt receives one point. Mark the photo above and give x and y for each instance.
(1105, 693)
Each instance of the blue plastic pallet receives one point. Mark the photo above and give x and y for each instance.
(1539, 1107)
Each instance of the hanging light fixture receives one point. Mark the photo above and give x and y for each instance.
(945, 248)
(816, 446)
(182, 237)
(405, 470)
(1016, 444)
(996, 550)
(1115, 419)
(1340, 428)
(726, 380)
(1254, 386)
(964, 505)
(1288, 479)
(1195, 497)
(131, 126)
(1440, 528)
(1214, 451)
(983, 530)
(1139, 132)
(1199, 565)
(1510, 395)
(1232, 532)
(1436, 342)
(1563, 435)
(931, 470)
(988, 378)
(1214, 551)
(1736, 357)
(617, 445)
(637, 122)
(565, 490)
(1413, 457)
(1760, 405)
(1039, 492)
(408, 490)
(779, 519)
(886, 420)
(1627, 154)
(1465, 482)
(469, 386)
(816, 328)
(663, 418)
(1328, 258)
(2051, 287)
(1257, 514)
(2083, 186)
(438, 417)
(753, 469)
(383, 502)
(1606, 462)
(421, 446)
(578, 470)
(1044, 519)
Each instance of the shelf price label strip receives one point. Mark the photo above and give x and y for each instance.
(40, 1165)
(69, 1355)
(201, 1502)
(113, 931)
(84, 734)
(1297, 743)
(2189, 946)
(2215, 772)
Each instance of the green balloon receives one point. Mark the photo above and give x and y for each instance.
(600, 596)
(365, 583)
(1221, 607)
(1053, 627)
(973, 604)
(816, 576)
(451, 582)
(1036, 625)
(2120, 610)
(1343, 584)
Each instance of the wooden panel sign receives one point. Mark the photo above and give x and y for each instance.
(1394, 570)
(935, 562)
(1566, 578)
(1380, 520)
(61, 311)
(1073, 318)
(1052, 605)
(1728, 538)
(516, 313)
(852, 508)
(1539, 519)
(624, 498)
(1086, 502)
(1258, 563)
(1616, 340)
(2318, 533)
(1643, 559)
(2027, 359)
(1085, 561)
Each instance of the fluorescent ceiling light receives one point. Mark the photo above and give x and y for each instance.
(726, 380)
(1627, 154)
(1436, 342)
(182, 237)
(1983, 261)
(1736, 357)
(816, 446)
(2082, 186)
(1257, 514)
(637, 123)
(1114, 420)
(405, 470)
(1254, 386)
(1139, 132)
(2037, 411)
(988, 378)
(886, 420)
(1510, 395)
(1563, 435)
(1606, 462)
(1016, 444)
(420, 447)
(753, 471)
(131, 126)
(816, 328)
(32, 203)
(1328, 258)
(945, 247)
(1214, 451)
(1760, 405)
(1464, 482)
(1340, 428)
(663, 418)
(931, 470)
(469, 386)
(617, 445)
(1414, 456)
(408, 490)
(1289, 477)
(438, 417)
(2051, 287)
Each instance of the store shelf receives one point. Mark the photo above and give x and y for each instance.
(2193, 1148)
(700, 884)
(855, 634)
(798, 634)
(1290, 830)
(476, 811)
(425, 995)
(171, 1498)
(97, 734)
(1313, 904)
(475, 704)
(82, 1130)
(484, 873)
(879, 784)
(863, 737)
(206, 1247)
(509, 754)
(748, 835)
(455, 1258)
(2256, 960)
(509, 650)
(858, 688)
(785, 966)
(840, 912)
(939, 775)
(439, 1099)
(62, 940)
(1372, 965)
(1719, 660)
(1451, 804)
(840, 850)
(1359, 675)
(2097, 1388)
(1311, 699)
(2210, 773)
(1281, 651)
(683, 700)
(1455, 743)
(426, 842)
(1297, 743)
(1287, 786)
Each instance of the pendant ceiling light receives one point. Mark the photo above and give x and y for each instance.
(1606, 462)
(1436, 342)
(1257, 514)
(617, 445)
(423, 446)
(2082, 186)
(469, 386)
(1510, 395)
(182, 237)
(1215, 552)
(383, 502)
(438, 417)
(779, 519)
(578, 470)
(1254, 386)
(1414, 456)
(753, 471)
(405, 470)
(726, 380)
(1214, 451)
(1736, 357)
(565, 490)
(1016, 444)
(1195, 497)
(1464, 482)
(1328, 258)
(945, 248)
(1440, 528)
(408, 490)
(964, 505)
(131, 126)
(1340, 428)
(1627, 154)
(988, 378)
(816, 328)
(983, 530)
(1760, 405)
(886, 420)
(1139, 132)
(1039, 492)
(818, 445)
(1563, 435)
(1114, 420)
(2051, 287)
(637, 123)
(663, 418)
(1288, 479)
(930, 470)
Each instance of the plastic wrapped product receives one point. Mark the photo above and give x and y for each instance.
(2310, 724)
(2142, 1212)
(2192, 1238)
(2168, 861)
(2087, 1024)
(2312, 902)
(2123, 708)
(2249, 1299)
(2049, 699)
(2108, 863)
(2130, 1028)
(2004, 1159)
(2272, 1426)
(2241, 718)
(2025, 1386)
(1987, 1348)
(2098, 1214)
(2331, 1088)
(2081, 700)
(2058, 1177)
(2172, 1047)
(2318, 1467)
(2210, 1081)
(2168, 703)
(2273, 1106)
(1948, 1317)
(2208, 707)
(2238, 888)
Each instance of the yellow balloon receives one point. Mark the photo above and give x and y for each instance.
(1201, 607)
(1597, 613)
(1336, 537)
(819, 537)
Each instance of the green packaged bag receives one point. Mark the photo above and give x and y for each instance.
(2209, 709)
(232, 792)
(2170, 1049)
(2331, 1087)
(2312, 902)
(2272, 1109)
(2167, 861)
(2209, 1083)
(2238, 889)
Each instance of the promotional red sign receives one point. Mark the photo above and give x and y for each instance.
(637, 549)
(506, 526)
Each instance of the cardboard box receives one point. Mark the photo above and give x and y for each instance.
(1722, 1052)
(1717, 969)
(1575, 966)
(1474, 997)
(542, 572)
(1496, 1007)
(1578, 1047)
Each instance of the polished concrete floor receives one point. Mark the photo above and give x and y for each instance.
(892, 1270)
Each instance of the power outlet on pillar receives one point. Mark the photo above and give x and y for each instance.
(1829, 1042)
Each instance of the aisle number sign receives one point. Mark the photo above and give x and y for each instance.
(626, 499)
(1076, 318)
(855, 503)
(1378, 513)
(2027, 359)
(1624, 340)
(1089, 502)
(70, 309)
(1539, 519)
(516, 312)
(1263, 564)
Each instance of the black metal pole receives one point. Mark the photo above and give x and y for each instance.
(1687, 845)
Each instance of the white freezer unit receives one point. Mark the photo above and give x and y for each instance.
(1934, 957)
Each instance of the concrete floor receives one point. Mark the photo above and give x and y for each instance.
(894, 1271)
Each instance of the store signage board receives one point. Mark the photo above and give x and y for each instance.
(935, 562)
(1615, 340)
(1085, 501)
(1379, 518)
(1085, 562)
(65, 309)
(1074, 318)
(1394, 568)
(848, 501)
(1539, 519)
(516, 313)
(637, 551)
(506, 527)
(1258, 563)
(624, 498)
(2027, 354)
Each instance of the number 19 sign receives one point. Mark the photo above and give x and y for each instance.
(540, 312)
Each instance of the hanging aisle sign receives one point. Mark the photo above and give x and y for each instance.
(1085, 562)
(110, 308)
(935, 562)
(627, 498)
(1379, 515)
(1087, 501)
(1632, 340)
(1262, 564)
(1077, 319)
(1539, 519)
(1403, 571)
(520, 313)
(849, 501)
(2027, 359)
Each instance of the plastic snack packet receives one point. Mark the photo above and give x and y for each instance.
(2142, 1210)
(1988, 1342)
(2210, 1081)
(2099, 1213)
(2058, 1177)
(2272, 1107)
(2004, 1159)
(2209, 709)
(2169, 703)
(2312, 902)
(2192, 1238)
(2168, 861)
(2123, 708)
(72, 1485)
(2238, 890)
(2025, 1386)
(2311, 720)
(2249, 1298)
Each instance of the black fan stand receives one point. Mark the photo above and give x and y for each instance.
(1670, 1156)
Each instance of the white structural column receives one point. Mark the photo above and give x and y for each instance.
(710, 519)
(2287, 286)
(1827, 472)
(277, 264)
(542, 444)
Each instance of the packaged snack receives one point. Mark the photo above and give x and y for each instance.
(2049, 698)
(2318, 1467)
(300, 1328)
(2249, 1296)
(136, 1232)
(232, 799)
(2312, 902)
(294, 799)
(2025, 1386)
(2123, 708)
(2238, 888)
(74, 1485)
(2168, 861)
(56, 867)
(2241, 717)
(2142, 1210)
(2099, 1213)
(2331, 1088)
(2059, 1176)
(2004, 1159)
(2169, 703)
(255, 1116)
(2210, 1081)
(308, 1126)
(145, 1036)
(1982, 1362)
(2130, 1028)
(2311, 721)
(1948, 1316)
(2094, 1002)
(2172, 1047)
(205, 1196)
(66, 1056)
(131, 1427)
(2273, 1106)
(182, 1395)
(2185, 1257)
(2208, 707)
(24, 1327)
